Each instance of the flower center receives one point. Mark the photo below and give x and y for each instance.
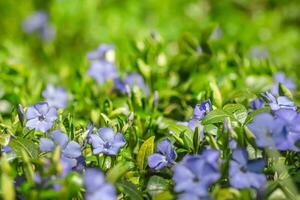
(42, 117)
(107, 145)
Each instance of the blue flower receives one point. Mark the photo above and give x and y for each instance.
(281, 78)
(166, 155)
(38, 22)
(257, 103)
(263, 127)
(289, 135)
(195, 174)
(96, 187)
(277, 103)
(132, 80)
(70, 150)
(102, 71)
(56, 97)
(100, 52)
(107, 142)
(40, 116)
(244, 173)
(202, 109)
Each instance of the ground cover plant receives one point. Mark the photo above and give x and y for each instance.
(108, 99)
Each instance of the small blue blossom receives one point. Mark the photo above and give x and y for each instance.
(70, 150)
(281, 78)
(107, 142)
(263, 127)
(38, 22)
(56, 97)
(195, 174)
(244, 173)
(102, 71)
(132, 80)
(166, 155)
(40, 116)
(277, 103)
(257, 103)
(96, 187)
(202, 109)
(100, 52)
(290, 133)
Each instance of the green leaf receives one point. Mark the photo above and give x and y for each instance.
(129, 189)
(215, 116)
(19, 144)
(166, 195)
(157, 184)
(177, 131)
(237, 112)
(284, 91)
(118, 171)
(217, 97)
(146, 149)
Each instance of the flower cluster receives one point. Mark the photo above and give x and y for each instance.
(278, 129)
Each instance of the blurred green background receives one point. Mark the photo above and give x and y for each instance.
(234, 32)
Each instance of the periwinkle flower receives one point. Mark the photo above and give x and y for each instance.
(289, 135)
(244, 173)
(263, 127)
(56, 97)
(40, 116)
(96, 187)
(38, 22)
(132, 80)
(166, 155)
(257, 103)
(107, 142)
(102, 71)
(195, 174)
(100, 52)
(70, 150)
(281, 78)
(277, 103)
(202, 109)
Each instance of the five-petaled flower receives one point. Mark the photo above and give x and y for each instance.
(244, 173)
(56, 97)
(107, 142)
(40, 116)
(70, 150)
(96, 186)
(195, 174)
(166, 155)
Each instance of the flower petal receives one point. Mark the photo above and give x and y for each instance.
(46, 145)
(72, 150)
(42, 107)
(106, 134)
(157, 161)
(59, 138)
